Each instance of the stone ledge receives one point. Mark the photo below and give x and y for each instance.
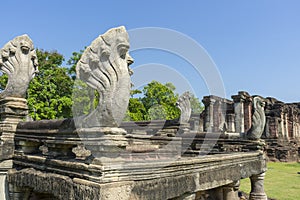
(139, 180)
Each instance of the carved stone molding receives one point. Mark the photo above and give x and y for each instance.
(13, 109)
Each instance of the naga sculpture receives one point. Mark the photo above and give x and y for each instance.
(19, 61)
(184, 106)
(104, 66)
(258, 119)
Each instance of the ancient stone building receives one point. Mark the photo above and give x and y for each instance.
(282, 129)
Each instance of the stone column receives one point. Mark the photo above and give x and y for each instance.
(257, 187)
(281, 126)
(247, 113)
(4, 167)
(239, 113)
(209, 113)
(12, 111)
(222, 124)
(230, 122)
(294, 124)
(276, 128)
(286, 124)
(230, 191)
(267, 128)
(273, 127)
(18, 193)
(242, 110)
(216, 193)
(227, 192)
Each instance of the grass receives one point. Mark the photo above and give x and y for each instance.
(281, 182)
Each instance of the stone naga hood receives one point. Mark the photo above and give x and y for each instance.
(104, 66)
(258, 119)
(19, 61)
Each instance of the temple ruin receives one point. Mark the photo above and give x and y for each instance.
(281, 132)
(97, 156)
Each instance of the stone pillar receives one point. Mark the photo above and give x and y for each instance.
(230, 191)
(286, 124)
(230, 122)
(222, 124)
(12, 111)
(257, 187)
(17, 193)
(4, 167)
(266, 133)
(281, 126)
(274, 128)
(209, 113)
(247, 112)
(242, 110)
(296, 133)
(294, 124)
(227, 192)
(216, 193)
(239, 113)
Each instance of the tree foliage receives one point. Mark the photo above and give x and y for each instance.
(3, 81)
(196, 105)
(49, 94)
(85, 99)
(160, 100)
(156, 101)
(72, 62)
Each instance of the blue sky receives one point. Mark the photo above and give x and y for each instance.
(254, 44)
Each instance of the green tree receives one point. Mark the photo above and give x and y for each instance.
(160, 99)
(72, 62)
(85, 99)
(3, 81)
(49, 94)
(196, 105)
(136, 111)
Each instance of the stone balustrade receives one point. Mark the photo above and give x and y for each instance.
(149, 167)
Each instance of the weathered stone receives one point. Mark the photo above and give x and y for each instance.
(282, 126)
(240, 107)
(258, 119)
(104, 66)
(19, 61)
(12, 111)
(97, 159)
(138, 180)
(215, 113)
(257, 187)
(81, 152)
(184, 106)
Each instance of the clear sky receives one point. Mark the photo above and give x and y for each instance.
(254, 44)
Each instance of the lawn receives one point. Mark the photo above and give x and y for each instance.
(281, 182)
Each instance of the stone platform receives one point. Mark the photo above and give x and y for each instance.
(160, 179)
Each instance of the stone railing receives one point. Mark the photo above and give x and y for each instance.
(148, 167)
